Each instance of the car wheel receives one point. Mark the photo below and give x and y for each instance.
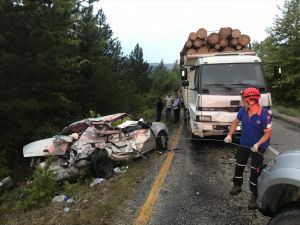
(286, 217)
(162, 141)
(102, 166)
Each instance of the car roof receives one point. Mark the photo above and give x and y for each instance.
(83, 124)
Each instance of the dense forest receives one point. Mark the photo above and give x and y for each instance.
(60, 63)
(282, 46)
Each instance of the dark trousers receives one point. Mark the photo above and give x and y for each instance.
(242, 157)
(158, 115)
(176, 114)
(168, 113)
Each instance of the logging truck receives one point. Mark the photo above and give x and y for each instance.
(211, 86)
(212, 80)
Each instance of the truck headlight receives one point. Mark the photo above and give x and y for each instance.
(203, 118)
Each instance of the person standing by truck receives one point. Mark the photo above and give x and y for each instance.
(159, 108)
(176, 108)
(169, 102)
(255, 136)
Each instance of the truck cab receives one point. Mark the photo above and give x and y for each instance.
(211, 87)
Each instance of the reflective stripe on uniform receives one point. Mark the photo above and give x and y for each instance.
(238, 177)
(252, 183)
(240, 164)
(253, 168)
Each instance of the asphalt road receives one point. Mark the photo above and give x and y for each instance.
(196, 188)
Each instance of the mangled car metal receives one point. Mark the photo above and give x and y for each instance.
(96, 144)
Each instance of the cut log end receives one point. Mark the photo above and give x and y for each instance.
(225, 32)
(202, 33)
(188, 44)
(244, 40)
(192, 36)
(213, 39)
(191, 51)
(202, 50)
(197, 43)
(236, 33)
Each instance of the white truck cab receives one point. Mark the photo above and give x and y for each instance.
(211, 87)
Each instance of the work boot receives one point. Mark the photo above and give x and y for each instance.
(235, 190)
(252, 203)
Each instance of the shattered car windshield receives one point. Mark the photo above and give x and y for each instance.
(121, 120)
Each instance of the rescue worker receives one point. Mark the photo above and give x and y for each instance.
(256, 132)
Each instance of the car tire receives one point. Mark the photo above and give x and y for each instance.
(287, 216)
(162, 141)
(102, 166)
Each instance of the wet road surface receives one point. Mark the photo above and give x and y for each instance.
(196, 190)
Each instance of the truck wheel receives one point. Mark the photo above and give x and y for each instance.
(162, 141)
(102, 166)
(286, 217)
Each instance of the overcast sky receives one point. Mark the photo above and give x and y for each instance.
(161, 27)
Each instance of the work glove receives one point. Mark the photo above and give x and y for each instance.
(228, 139)
(255, 148)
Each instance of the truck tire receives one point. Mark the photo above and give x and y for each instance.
(286, 217)
(162, 141)
(102, 166)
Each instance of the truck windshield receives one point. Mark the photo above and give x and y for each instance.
(232, 78)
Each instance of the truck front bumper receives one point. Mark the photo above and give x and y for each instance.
(202, 129)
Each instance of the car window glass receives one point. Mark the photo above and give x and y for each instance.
(120, 121)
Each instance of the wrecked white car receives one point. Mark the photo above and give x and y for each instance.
(96, 145)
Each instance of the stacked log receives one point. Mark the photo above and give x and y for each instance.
(225, 40)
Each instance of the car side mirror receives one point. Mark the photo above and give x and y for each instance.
(183, 74)
(185, 83)
(277, 72)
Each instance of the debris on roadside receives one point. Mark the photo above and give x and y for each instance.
(97, 181)
(6, 183)
(120, 169)
(66, 209)
(63, 199)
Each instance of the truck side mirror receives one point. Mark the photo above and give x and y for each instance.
(183, 74)
(185, 83)
(277, 71)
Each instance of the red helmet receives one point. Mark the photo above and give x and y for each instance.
(250, 93)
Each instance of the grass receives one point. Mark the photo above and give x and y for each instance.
(295, 112)
(96, 205)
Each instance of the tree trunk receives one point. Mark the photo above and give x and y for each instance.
(227, 39)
